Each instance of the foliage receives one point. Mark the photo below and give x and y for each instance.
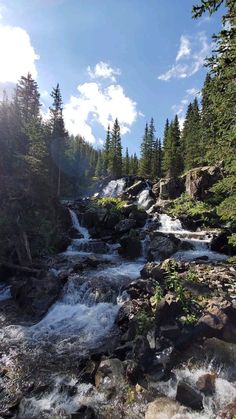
(116, 202)
(185, 205)
(145, 322)
(156, 298)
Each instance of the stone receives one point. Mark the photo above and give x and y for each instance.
(200, 180)
(171, 188)
(222, 352)
(170, 331)
(167, 310)
(136, 188)
(110, 376)
(206, 384)
(140, 217)
(229, 411)
(220, 243)
(125, 225)
(162, 246)
(163, 407)
(153, 270)
(142, 353)
(35, 296)
(131, 247)
(189, 396)
(84, 412)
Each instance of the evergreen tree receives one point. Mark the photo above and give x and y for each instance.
(165, 156)
(127, 163)
(191, 137)
(106, 151)
(59, 135)
(99, 165)
(172, 160)
(145, 168)
(115, 153)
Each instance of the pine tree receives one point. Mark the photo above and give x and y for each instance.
(172, 160)
(127, 163)
(165, 156)
(99, 165)
(191, 137)
(115, 153)
(59, 135)
(145, 168)
(106, 151)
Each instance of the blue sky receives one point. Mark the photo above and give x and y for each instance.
(134, 59)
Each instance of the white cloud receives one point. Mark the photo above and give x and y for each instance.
(18, 56)
(184, 49)
(180, 109)
(95, 103)
(193, 54)
(103, 70)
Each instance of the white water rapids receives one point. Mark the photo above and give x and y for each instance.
(84, 318)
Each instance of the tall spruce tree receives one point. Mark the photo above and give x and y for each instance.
(59, 135)
(115, 153)
(145, 168)
(106, 151)
(127, 162)
(191, 137)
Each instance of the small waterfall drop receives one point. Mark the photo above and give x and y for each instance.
(77, 226)
(114, 188)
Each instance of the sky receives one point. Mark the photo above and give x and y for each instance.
(130, 59)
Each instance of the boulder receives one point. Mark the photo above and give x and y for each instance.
(200, 180)
(110, 376)
(152, 270)
(125, 225)
(142, 353)
(141, 288)
(222, 352)
(218, 320)
(156, 189)
(171, 188)
(163, 407)
(140, 216)
(189, 396)
(131, 247)
(167, 310)
(162, 246)
(206, 384)
(221, 244)
(34, 295)
(136, 188)
(84, 412)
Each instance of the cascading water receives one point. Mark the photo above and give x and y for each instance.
(198, 241)
(114, 188)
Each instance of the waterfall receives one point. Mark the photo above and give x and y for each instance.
(77, 226)
(114, 188)
(169, 225)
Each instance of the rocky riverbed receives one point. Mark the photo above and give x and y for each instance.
(136, 319)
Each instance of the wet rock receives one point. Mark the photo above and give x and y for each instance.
(35, 296)
(218, 320)
(156, 189)
(171, 188)
(162, 246)
(142, 288)
(206, 384)
(170, 331)
(140, 217)
(220, 243)
(110, 376)
(152, 270)
(223, 352)
(136, 188)
(125, 225)
(130, 246)
(229, 411)
(189, 396)
(131, 371)
(142, 353)
(163, 407)
(200, 180)
(84, 412)
(167, 310)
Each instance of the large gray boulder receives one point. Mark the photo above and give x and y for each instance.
(170, 188)
(162, 246)
(35, 296)
(200, 180)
